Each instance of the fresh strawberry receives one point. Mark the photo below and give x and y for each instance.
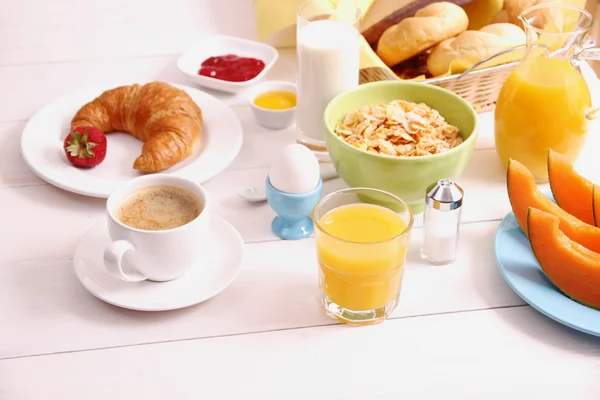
(85, 146)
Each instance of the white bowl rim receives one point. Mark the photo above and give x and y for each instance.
(264, 86)
(469, 141)
(274, 56)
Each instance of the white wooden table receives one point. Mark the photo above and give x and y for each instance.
(459, 331)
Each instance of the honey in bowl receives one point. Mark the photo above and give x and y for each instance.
(276, 100)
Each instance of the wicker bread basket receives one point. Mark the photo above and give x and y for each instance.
(479, 87)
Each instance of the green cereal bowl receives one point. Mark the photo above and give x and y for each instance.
(406, 177)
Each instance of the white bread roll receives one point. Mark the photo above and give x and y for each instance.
(413, 35)
(470, 47)
(512, 10)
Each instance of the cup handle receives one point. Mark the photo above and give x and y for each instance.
(113, 261)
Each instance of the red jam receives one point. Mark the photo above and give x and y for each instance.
(231, 68)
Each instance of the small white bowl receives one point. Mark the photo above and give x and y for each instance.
(218, 45)
(272, 119)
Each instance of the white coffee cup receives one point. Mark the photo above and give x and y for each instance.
(136, 255)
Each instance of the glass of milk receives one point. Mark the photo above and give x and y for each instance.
(327, 42)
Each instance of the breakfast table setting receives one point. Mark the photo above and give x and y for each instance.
(299, 200)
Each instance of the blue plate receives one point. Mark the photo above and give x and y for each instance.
(520, 269)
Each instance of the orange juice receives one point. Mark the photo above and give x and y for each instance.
(542, 105)
(276, 100)
(361, 256)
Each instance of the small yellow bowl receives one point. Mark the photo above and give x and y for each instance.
(273, 118)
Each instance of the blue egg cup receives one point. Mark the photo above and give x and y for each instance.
(293, 210)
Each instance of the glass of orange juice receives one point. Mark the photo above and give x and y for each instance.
(545, 102)
(362, 237)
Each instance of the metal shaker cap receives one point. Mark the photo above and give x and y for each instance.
(444, 195)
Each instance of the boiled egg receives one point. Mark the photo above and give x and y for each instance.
(295, 170)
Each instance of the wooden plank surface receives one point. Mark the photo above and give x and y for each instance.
(273, 292)
(513, 353)
(459, 333)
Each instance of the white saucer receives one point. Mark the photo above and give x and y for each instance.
(208, 278)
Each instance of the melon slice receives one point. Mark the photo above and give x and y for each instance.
(524, 193)
(572, 192)
(572, 268)
(596, 204)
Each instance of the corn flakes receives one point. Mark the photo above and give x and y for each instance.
(400, 128)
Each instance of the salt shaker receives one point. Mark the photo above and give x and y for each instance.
(441, 222)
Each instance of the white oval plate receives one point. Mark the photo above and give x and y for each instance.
(44, 134)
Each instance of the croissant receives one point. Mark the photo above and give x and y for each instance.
(164, 117)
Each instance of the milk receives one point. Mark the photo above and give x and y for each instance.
(328, 64)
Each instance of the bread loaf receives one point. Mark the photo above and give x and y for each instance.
(413, 35)
(373, 32)
(512, 10)
(470, 47)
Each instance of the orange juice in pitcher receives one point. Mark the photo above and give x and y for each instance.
(545, 103)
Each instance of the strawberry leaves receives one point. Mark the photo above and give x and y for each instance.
(79, 146)
(85, 146)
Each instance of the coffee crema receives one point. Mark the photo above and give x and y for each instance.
(156, 208)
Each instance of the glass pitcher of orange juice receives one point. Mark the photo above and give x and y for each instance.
(545, 103)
